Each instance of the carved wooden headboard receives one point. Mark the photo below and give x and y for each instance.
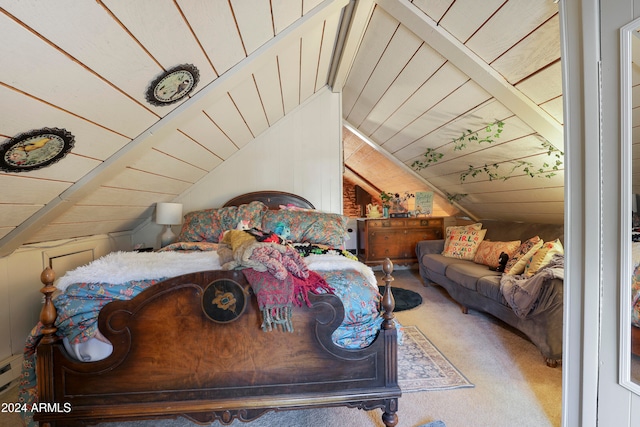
(273, 199)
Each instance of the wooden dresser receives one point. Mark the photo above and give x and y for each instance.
(395, 238)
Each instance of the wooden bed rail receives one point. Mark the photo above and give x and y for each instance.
(48, 312)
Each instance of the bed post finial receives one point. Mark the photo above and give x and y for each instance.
(48, 313)
(388, 302)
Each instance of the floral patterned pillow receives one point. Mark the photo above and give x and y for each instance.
(517, 262)
(208, 225)
(308, 226)
(488, 253)
(542, 257)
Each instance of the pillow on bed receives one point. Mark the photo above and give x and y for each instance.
(308, 226)
(463, 244)
(516, 263)
(208, 225)
(488, 253)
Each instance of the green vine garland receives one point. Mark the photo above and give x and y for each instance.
(492, 132)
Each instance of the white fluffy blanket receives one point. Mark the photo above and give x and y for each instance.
(122, 267)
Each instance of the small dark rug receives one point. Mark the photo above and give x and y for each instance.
(405, 299)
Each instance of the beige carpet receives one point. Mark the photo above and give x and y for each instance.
(513, 386)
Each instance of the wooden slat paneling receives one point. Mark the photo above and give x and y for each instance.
(401, 49)
(268, 82)
(161, 44)
(435, 9)
(533, 53)
(208, 134)
(226, 116)
(380, 30)
(215, 28)
(331, 27)
(464, 17)
(285, 12)
(161, 164)
(69, 90)
(289, 70)
(179, 146)
(90, 140)
(511, 23)
(23, 189)
(11, 215)
(444, 82)
(254, 22)
(247, 100)
(422, 66)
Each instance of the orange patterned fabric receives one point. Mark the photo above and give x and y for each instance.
(488, 253)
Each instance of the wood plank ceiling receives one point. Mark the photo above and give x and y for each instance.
(414, 76)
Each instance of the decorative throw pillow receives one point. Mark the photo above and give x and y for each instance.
(542, 257)
(309, 226)
(488, 253)
(454, 228)
(207, 225)
(463, 244)
(516, 264)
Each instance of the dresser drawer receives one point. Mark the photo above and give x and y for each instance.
(395, 238)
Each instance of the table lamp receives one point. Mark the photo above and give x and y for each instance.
(168, 214)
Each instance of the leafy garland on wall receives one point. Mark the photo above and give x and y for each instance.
(491, 133)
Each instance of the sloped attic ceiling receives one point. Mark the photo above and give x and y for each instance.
(413, 76)
(428, 72)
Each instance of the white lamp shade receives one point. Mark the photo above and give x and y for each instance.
(168, 213)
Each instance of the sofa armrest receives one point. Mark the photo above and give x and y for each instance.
(425, 247)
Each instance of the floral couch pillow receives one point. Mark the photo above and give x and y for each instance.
(308, 226)
(208, 225)
(516, 263)
(542, 257)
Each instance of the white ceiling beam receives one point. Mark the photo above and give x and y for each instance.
(476, 68)
(172, 121)
(354, 24)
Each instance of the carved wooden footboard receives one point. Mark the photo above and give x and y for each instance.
(173, 357)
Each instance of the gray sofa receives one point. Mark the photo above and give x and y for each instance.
(477, 287)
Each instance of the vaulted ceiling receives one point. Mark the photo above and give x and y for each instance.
(415, 76)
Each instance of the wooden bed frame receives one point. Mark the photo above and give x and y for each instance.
(635, 340)
(169, 359)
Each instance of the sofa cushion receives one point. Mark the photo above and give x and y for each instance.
(542, 257)
(438, 263)
(489, 286)
(467, 274)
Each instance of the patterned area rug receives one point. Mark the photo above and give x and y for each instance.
(421, 366)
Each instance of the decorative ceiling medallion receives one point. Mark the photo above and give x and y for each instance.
(173, 85)
(35, 149)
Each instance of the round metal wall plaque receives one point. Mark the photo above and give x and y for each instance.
(173, 85)
(224, 300)
(35, 149)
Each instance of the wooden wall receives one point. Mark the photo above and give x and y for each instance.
(20, 299)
